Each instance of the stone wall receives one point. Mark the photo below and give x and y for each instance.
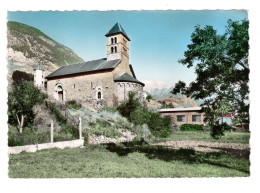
(124, 88)
(84, 88)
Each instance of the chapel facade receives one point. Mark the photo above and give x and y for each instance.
(107, 81)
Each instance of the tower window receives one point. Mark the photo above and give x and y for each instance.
(115, 49)
(112, 50)
(74, 86)
(115, 40)
(112, 40)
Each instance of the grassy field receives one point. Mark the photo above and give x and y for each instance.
(229, 137)
(102, 161)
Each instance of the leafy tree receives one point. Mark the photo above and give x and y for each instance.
(148, 98)
(221, 66)
(20, 76)
(20, 103)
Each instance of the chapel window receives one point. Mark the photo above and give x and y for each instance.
(115, 49)
(99, 95)
(112, 41)
(112, 50)
(115, 40)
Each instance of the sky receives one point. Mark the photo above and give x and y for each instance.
(158, 38)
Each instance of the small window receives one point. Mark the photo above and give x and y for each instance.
(115, 40)
(112, 50)
(74, 86)
(112, 41)
(91, 84)
(115, 49)
(99, 95)
(181, 118)
(196, 118)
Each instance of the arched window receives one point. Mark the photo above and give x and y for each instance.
(112, 40)
(112, 50)
(99, 95)
(115, 40)
(115, 49)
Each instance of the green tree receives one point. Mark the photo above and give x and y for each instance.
(221, 66)
(148, 98)
(20, 103)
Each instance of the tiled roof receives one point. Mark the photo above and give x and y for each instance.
(117, 28)
(127, 78)
(90, 66)
(39, 67)
(181, 109)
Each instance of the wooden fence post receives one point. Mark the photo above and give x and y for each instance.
(51, 131)
(80, 128)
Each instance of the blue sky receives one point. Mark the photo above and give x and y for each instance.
(158, 38)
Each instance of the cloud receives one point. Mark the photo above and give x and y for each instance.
(151, 85)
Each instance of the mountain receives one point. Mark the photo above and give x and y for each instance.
(28, 47)
(178, 100)
(160, 93)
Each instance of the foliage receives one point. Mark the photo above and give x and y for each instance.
(191, 127)
(20, 103)
(30, 136)
(109, 109)
(103, 128)
(148, 98)
(68, 127)
(222, 71)
(128, 106)
(101, 161)
(217, 131)
(137, 114)
(165, 105)
(20, 76)
(72, 105)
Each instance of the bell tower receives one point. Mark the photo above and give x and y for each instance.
(117, 43)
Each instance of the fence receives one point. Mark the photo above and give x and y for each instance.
(61, 145)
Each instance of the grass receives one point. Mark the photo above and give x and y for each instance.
(119, 160)
(229, 137)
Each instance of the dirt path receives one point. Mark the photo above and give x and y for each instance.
(237, 149)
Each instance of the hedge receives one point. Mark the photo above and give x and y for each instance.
(191, 127)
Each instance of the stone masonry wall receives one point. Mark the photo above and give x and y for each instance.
(84, 87)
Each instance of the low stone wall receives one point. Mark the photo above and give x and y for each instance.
(34, 148)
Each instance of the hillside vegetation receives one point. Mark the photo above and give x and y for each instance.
(28, 46)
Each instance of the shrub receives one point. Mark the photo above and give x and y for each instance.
(72, 105)
(69, 128)
(218, 130)
(109, 109)
(20, 76)
(137, 114)
(103, 128)
(191, 127)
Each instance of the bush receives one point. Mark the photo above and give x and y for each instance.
(191, 127)
(72, 105)
(69, 128)
(109, 109)
(103, 128)
(20, 76)
(137, 114)
(218, 130)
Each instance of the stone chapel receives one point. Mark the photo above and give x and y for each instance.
(106, 81)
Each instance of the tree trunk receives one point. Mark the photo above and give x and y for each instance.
(20, 122)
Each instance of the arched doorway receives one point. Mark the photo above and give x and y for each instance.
(59, 93)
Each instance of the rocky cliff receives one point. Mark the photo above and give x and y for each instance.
(28, 47)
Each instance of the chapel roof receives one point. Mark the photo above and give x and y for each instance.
(89, 66)
(117, 28)
(125, 77)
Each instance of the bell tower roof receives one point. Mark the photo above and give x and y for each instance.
(116, 29)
